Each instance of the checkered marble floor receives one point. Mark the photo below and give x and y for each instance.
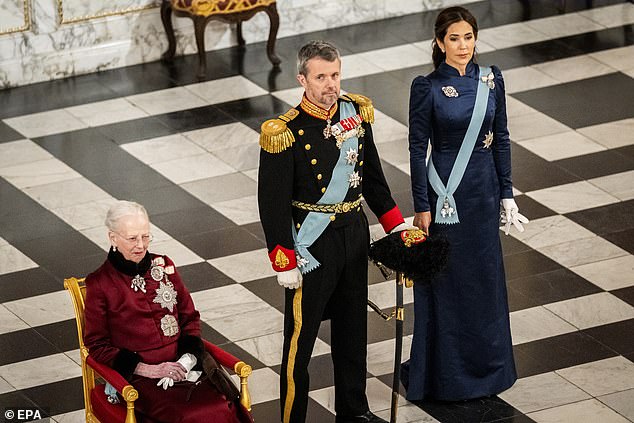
(188, 151)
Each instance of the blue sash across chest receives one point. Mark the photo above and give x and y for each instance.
(446, 207)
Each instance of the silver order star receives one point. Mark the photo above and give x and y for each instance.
(488, 139)
(166, 296)
(354, 179)
(352, 156)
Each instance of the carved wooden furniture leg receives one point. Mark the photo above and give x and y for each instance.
(274, 17)
(200, 22)
(241, 42)
(166, 17)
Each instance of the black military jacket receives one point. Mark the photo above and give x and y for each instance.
(296, 163)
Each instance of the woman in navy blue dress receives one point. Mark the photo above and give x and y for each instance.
(462, 341)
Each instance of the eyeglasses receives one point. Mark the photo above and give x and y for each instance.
(133, 240)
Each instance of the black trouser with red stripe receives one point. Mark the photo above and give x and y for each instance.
(337, 290)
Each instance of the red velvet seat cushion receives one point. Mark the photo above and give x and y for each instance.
(103, 410)
(211, 7)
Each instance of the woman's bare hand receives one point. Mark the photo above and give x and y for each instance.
(169, 369)
(422, 220)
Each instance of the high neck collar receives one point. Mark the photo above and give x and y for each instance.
(318, 111)
(128, 267)
(471, 70)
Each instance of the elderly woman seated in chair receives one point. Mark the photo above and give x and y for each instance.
(141, 321)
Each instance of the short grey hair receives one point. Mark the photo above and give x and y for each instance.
(121, 209)
(315, 48)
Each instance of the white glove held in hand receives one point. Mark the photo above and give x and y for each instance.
(166, 382)
(188, 361)
(510, 216)
(400, 227)
(291, 279)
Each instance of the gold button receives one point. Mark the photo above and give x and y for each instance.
(323, 189)
(361, 163)
(332, 217)
(319, 176)
(313, 161)
(298, 226)
(300, 132)
(360, 146)
(307, 146)
(358, 208)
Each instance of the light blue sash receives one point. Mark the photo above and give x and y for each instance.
(446, 209)
(315, 222)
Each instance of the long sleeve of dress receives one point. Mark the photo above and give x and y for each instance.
(420, 114)
(501, 138)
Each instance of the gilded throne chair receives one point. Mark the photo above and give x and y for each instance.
(228, 11)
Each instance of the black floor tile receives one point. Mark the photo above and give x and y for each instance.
(200, 117)
(221, 242)
(608, 219)
(27, 283)
(598, 164)
(528, 54)
(62, 335)
(16, 399)
(528, 263)
(617, 336)
(266, 411)
(59, 396)
(262, 107)
(183, 69)
(276, 79)
(548, 287)
(210, 334)
(202, 276)
(189, 222)
(321, 372)
(255, 229)
(532, 175)
(388, 94)
(135, 130)
(9, 134)
(397, 180)
(627, 150)
(404, 202)
(611, 97)
(269, 290)
(626, 294)
(366, 36)
(489, 409)
(558, 352)
(137, 79)
(624, 239)
(590, 42)
(24, 345)
(511, 245)
(167, 199)
(532, 209)
(242, 355)
(407, 75)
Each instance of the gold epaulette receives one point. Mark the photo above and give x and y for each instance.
(275, 136)
(366, 109)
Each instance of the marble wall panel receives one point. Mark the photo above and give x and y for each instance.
(72, 11)
(14, 16)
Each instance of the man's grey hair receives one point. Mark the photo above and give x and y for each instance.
(121, 209)
(322, 49)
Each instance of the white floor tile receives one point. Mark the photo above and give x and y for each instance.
(43, 309)
(534, 124)
(354, 66)
(590, 250)
(226, 89)
(193, 168)
(585, 411)
(426, 47)
(45, 123)
(592, 310)
(292, 96)
(398, 57)
(249, 324)
(621, 402)
(5, 386)
(609, 274)
(381, 356)
(621, 58)
(551, 230)
(264, 385)
(536, 323)
(564, 25)
(224, 136)
(244, 157)
(78, 416)
(165, 101)
(22, 151)
(515, 108)
(251, 173)
(99, 236)
(510, 35)
(268, 348)
(39, 371)
(561, 146)
(620, 185)
(179, 253)
(408, 413)
(611, 16)
(215, 190)
(85, 215)
(37, 173)
(386, 129)
(542, 391)
(572, 197)
(9, 322)
(612, 134)
(395, 152)
(217, 303)
(67, 193)
(13, 260)
(574, 68)
(241, 210)
(253, 265)
(601, 377)
(526, 78)
(383, 294)
(106, 112)
(163, 149)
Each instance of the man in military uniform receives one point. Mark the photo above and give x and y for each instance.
(318, 162)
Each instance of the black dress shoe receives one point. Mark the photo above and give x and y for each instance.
(368, 417)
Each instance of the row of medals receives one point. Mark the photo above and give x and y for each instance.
(351, 155)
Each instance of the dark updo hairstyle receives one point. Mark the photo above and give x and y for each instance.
(445, 19)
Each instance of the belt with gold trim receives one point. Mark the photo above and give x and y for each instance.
(344, 207)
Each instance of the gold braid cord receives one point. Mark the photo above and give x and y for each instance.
(328, 208)
(366, 109)
(216, 7)
(275, 136)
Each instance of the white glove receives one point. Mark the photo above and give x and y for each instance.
(291, 279)
(166, 382)
(188, 361)
(510, 216)
(400, 227)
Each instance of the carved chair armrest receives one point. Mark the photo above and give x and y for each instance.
(241, 369)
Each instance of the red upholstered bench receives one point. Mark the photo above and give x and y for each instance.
(229, 11)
